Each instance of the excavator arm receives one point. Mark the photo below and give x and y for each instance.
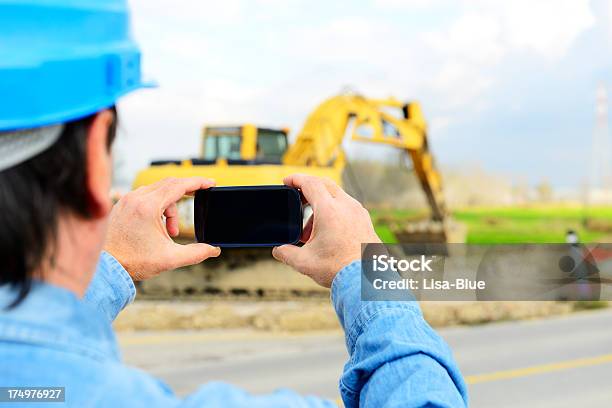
(319, 143)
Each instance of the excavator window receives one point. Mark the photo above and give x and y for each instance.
(271, 145)
(222, 145)
(390, 130)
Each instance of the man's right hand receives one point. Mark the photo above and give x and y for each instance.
(142, 224)
(334, 233)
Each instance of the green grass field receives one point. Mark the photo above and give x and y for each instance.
(541, 224)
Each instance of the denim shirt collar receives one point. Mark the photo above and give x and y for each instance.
(54, 317)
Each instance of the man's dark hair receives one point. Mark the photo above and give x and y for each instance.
(32, 196)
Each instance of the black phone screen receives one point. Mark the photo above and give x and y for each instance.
(248, 216)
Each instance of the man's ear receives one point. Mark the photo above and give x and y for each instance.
(99, 165)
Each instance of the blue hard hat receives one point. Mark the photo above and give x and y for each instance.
(61, 60)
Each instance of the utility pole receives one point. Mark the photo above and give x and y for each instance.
(601, 177)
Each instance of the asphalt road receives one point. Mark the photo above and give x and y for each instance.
(559, 362)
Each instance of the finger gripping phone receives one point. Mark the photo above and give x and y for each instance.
(248, 216)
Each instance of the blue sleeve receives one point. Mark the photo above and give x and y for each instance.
(111, 288)
(396, 359)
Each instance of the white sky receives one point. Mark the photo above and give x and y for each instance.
(506, 84)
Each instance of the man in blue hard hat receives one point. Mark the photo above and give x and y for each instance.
(69, 258)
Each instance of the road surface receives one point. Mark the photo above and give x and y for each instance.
(559, 362)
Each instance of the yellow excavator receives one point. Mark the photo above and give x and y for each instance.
(250, 155)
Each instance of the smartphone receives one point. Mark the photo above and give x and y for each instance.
(248, 216)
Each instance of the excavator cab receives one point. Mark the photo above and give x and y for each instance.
(245, 144)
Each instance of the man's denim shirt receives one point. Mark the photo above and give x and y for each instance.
(53, 338)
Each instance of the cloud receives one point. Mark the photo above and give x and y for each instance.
(545, 27)
(345, 39)
(189, 13)
(465, 50)
(405, 4)
(487, 35)
(472, 37)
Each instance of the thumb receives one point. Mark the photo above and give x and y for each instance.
(191, 254)
(288, 254)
